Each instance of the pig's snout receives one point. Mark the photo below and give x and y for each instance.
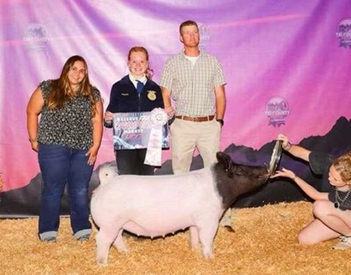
(263, 174)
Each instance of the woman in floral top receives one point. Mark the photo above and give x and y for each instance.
(67, 140)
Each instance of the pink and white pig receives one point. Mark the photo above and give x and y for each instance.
(157, 205)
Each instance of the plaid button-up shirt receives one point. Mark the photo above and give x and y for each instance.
(193, 87)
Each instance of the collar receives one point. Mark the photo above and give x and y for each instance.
(183, 53)
(134, 80)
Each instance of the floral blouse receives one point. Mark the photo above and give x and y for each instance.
(69, 126)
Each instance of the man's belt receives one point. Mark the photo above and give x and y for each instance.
(196, 119)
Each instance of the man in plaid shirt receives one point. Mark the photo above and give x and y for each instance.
(195, 81)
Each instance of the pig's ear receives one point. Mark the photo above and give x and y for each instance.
(223, 158)
(227, 163)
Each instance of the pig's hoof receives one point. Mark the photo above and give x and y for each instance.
(208, 255)
(120, 246)
(122, 249)
(194, 246)
(101, 261)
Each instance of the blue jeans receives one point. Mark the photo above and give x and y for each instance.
(61, 165)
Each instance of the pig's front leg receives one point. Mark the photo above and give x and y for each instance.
(207, 233)
(194, 237)
(104, 239)
(119, 243)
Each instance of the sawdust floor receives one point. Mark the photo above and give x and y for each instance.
(264, 243)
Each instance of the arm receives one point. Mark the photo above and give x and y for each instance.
(34, 107)
(295, 150)
(220, 101)
(97, 133)
(159, 103)
(166, 95)
(167, 81)
(307, 188)
(111, 108)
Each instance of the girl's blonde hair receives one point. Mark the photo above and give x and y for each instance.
(343, 165)
(61, 90)
(149, 72)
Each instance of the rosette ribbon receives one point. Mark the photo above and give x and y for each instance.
(158, 118)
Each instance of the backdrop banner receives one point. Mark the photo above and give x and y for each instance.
(286, 63)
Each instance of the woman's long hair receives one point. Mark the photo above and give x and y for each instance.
(149, 72)
(61, 90)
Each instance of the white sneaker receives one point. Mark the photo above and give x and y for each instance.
(343, 244)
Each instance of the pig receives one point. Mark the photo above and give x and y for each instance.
(154, 206)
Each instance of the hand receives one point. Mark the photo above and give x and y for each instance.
(108, 116)
(286, 144)
(170, 111)
(285, 173)
(35, 145)
(92, 153)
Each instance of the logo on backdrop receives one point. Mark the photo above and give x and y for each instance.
(277, 109)
(36, 36)
(344, 33)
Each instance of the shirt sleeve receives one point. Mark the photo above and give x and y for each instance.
(320, 162)
(45, 87)
(219, 74)
(113, 104)
(96, 94)
(166, 80)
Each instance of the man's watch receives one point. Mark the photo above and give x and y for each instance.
(221, 121)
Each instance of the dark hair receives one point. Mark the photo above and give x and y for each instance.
(187, 23)
(149, 72)
(61, 90)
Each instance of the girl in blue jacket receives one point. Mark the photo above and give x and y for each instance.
(135, 92)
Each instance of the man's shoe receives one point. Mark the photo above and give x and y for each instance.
(343, 244)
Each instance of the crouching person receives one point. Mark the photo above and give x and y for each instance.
(331, 210)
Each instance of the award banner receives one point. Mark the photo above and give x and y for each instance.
(133, 130)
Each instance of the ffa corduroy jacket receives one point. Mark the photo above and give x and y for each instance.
(125, 98)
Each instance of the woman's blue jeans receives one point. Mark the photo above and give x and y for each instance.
(61, 165)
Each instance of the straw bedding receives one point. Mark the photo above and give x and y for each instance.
(264, 243)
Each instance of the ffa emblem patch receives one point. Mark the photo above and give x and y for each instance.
(151, 95)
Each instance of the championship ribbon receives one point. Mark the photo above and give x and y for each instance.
(158, 118)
